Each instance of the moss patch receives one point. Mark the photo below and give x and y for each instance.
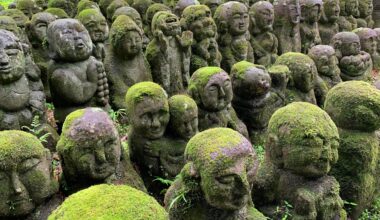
(178, 104)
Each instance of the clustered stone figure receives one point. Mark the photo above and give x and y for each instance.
(187, 109)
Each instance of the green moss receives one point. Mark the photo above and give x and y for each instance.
(193, 12)
(88, 14)
(16, 146)
(64, 142)
(153, 9)
(200, 77)
(15, 13)
(60, 13)
(278, 70)
(109, 202)
(86, 4)
(160, 16)
(115, 5)
(178, 104)
(22, 4)
(293, 59)
(239, 68)
(120, 27)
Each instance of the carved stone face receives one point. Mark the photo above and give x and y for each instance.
(365, 8)
(17, 16)
(311, 10)
(352, 7)
(351, 48)
(132, 43)
(263, 14)
(28, 7)
(238, 20)
(346, 43)
(169, 24)
(294, 11)
(69, 40)
(217, 93)
(299, 145)
(331, 9)
(12, 59)
(150, 118)
(324, 59)
(38, 25)
(95, 23)
(26, 178)
(199, 21)
(305, 81)
(368, 39)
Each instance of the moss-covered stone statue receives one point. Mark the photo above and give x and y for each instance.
(169, 53)
(216, 180)
(287, 25)
(9, 24)
(148, 17)
(211, 89)
(348, 14)
(365, 11)
(28, 7)
(109, 202)
(27, 185)
(148, 115)
(301, 148)
(59, 13)
(142, 5)
(326, 63)
(86, 4)
(280, 77)
(97, 27)
(253, 99)
(354, 63)
(354, 106)
(116, 4)
(303, 77)
(205, 52)
(21, 21)
(328, 24)
(368, 42)
(125, 63)
(67, 5)
(36, 30)
(232, 21)
(263, 41)
(77, 79)
(91, 152)
(311, 11)
(212, 4)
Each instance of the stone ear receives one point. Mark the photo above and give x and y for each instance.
(193, 171)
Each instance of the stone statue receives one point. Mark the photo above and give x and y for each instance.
(211, 89)
(142, 6)
(67, 5)
(36, 30)
(263, 41)
(205, 52)
(212, 4)
(287, 25)
(148, 115)
(354, 64)
(354, 107)
(43, 4)
(378, 44)
(349, 12)
(232, 21)
(280, 77)
(326, 63)
(311, 12)
(59, 13)
(368, 42)
(365, 10)
(86, 4)
(97, 27)
(28, 7)
(182, 4)
(328, 24)
(20, 20)
(91, 152)
(169, 52)
(77, 80)
(9, 24)
(301, 148)
(302, 79)
(253, 99)
(110, 202)
(150, 12)
(125, 63)
(216, 180)
(27, 185)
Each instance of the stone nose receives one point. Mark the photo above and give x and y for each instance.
(4, 59)
(16, 183)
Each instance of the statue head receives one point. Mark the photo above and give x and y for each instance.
(86, 4)
(183, 116)
(12, 65)
(7, 23)
(287, 11)
(66, 5)
(37, 26)
(152, 10)
(212, 4)
(346, 44)
(167, 23)
(368, 39)
(325, 60)
(147, 109)
(302, 139)
(89, 146)
(197, 19)
(68, 40)
(354, 105)
(142, 5)
(113, 7)
(350, 7)
(280, 76)
(331, 11)
(25, 174)
(365, 8)
(59, 13)
(126, 36)
(16, 15)
(311, 10)
(223, 163)
(249, 80)
(95, 23)
(130, 12)
(211, 88)
(262, 15)
(232, 17)
(182, 4)
(28, 7)
(303, 71)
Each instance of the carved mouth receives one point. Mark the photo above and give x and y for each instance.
(80, 45)
(5, 69)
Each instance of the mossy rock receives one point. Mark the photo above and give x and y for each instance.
(109, 202)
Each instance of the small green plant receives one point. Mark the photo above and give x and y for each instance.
(179, 197)
(349, 205)
(373, 212)
(36, 130)
(118, 117)
(166, 182)
(284, 211)
(49, 106)
(260, 152)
